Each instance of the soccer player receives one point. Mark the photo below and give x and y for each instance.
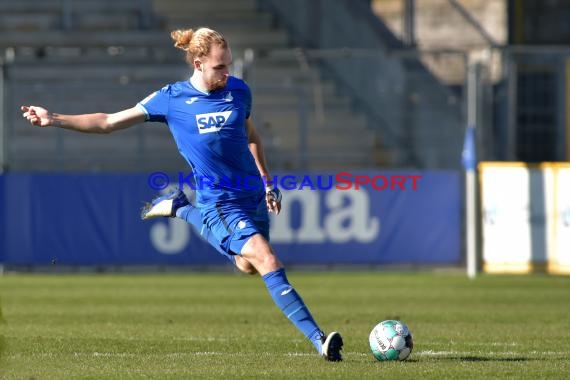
(209, 117)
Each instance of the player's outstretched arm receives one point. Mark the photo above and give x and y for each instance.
(256, 149)
(87, 123)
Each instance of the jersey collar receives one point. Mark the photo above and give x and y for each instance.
(194, 82)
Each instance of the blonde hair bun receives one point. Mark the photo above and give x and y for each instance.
(197, 43)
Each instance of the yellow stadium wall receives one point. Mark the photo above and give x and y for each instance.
(525, 221)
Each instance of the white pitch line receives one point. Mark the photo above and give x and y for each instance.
(490, 353)
(437, 353)
(471, 344)
(424, 353)
(203, 353)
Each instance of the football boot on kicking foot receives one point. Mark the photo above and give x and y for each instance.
(165, 205)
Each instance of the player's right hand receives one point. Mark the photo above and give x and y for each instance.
(36, 115)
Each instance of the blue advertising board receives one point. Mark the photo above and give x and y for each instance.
(93, 219)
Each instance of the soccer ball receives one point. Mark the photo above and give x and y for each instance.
(391, 340)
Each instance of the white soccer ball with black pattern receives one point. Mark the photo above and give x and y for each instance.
(391, 340)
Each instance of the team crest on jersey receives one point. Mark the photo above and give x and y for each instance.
(228, 97)
(212, 122)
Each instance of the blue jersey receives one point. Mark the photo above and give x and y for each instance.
(209, 130)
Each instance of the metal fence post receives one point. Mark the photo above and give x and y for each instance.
(512, 76)
(409, 20)
(470, 164)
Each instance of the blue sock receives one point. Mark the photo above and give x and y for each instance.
(291, 304)
(192, 216)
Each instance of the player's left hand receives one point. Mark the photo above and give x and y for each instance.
(37, 116)
(273, 198)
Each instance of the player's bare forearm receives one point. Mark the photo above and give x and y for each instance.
(86, 123)
(272, 196)
(256, 149)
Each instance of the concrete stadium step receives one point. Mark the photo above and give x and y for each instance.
(96, 80)
(94, 145)
(53, 140)
(239, 20)
(29, 21)
(269, 93)
(157, 73)
(290, 81)
(299, 89)
(221, 22)
(23, 6)
(292, 100)
(293, 159)
(105, 21)
(286, 70)
(84, 38)
(108, 6)
(110, 55)
(85, 14)
(74, 98)
(238, 40)
(204, 6)
(76, 162)
(286, 127)
(46, 142)
(157, 138)
(332, 117)
(327, 138)
(254, 37)
(341, 139)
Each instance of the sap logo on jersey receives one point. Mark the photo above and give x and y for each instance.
(212, 122)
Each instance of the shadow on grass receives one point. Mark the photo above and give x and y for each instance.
(474, 359)
(486, 359)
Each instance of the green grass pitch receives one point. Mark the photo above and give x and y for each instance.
(225, 326)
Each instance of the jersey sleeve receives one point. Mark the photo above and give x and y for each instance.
(155, 106)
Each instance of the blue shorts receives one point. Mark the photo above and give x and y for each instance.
(233, 222)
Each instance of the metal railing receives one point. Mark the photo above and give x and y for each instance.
(534, 99)
(143, 8)
(380, 63)
(307, 117)
(312, 110)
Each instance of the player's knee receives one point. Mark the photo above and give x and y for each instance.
(245, 266)
(258, 252)
(271, 261)
(265, 257)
